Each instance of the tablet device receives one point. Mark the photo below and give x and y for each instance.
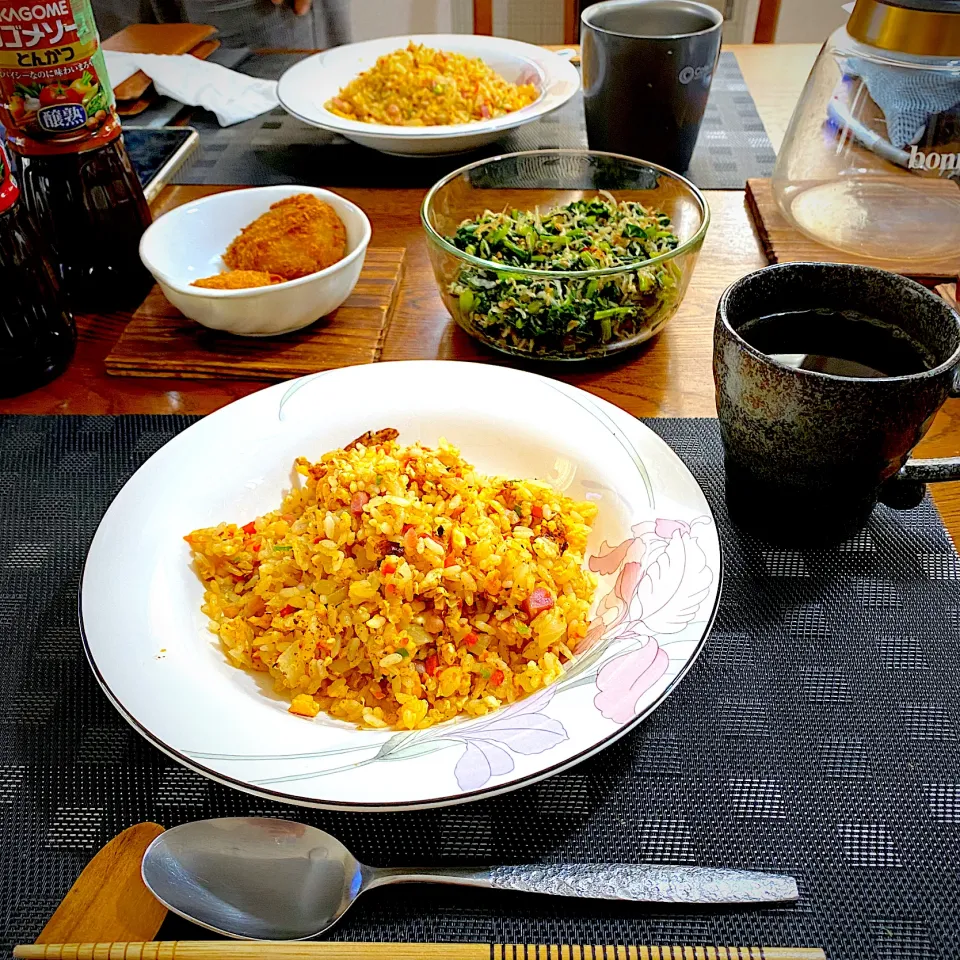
(157, 153)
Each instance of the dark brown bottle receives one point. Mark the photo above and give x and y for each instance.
(77, 180)
(95, 195)
(37, 335)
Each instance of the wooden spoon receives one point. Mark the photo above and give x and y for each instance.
(108, 900)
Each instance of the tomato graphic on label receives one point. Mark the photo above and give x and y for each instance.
(61, 109)
(57, 93)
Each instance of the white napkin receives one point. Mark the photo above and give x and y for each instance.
(232, 96)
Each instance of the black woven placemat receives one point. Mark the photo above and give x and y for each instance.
(816, 735)
(277, 148)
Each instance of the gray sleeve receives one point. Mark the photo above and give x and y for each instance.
(258, 23)
(337, 22)
(113, 15)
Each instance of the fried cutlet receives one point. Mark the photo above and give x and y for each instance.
(295, 237)
(238, 280)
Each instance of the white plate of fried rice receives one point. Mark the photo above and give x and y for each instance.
(431, 105)
(507, 580)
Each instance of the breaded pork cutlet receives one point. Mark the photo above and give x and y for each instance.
(295, 237)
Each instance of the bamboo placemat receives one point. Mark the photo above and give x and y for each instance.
(783, 243)
(160, 341)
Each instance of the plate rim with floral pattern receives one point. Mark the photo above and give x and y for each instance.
(658, 598)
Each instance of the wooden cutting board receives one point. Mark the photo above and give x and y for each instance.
(159, 37)
(159, 341)
(134, 107)
(783, 243)
(163, 38)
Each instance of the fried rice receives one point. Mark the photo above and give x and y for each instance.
(419, 86)
(397, 587)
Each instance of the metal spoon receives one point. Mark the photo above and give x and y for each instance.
(261, 879)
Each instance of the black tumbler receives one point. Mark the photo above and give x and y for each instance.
(647, 67)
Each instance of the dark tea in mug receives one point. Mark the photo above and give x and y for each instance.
(842, 343)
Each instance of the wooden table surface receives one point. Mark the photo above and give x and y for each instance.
(670, 377)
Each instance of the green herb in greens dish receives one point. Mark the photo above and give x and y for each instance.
(576, 316)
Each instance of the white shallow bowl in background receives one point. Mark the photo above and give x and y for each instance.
(309, 84)
(654, 545)
(189, 242)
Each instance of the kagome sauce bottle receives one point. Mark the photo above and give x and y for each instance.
(77, 180)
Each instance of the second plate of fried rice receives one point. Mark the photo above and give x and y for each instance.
(458, 93)
(504, 582)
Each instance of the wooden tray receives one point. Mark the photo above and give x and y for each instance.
(783, 243)
(160, 341)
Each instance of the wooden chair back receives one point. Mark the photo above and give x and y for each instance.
(483, 19)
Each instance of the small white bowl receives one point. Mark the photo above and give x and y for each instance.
(189, 242)
(306, 87)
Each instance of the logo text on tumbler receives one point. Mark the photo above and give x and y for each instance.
(695, 73)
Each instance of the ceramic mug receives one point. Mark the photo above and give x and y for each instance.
(808, 454)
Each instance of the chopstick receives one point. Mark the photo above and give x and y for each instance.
(313, 950)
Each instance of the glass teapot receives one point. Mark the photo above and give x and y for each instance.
(870, 163)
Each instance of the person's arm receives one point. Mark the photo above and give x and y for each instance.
(334, 14)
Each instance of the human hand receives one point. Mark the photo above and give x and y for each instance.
(300, 7)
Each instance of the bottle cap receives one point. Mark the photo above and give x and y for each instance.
(923, 28)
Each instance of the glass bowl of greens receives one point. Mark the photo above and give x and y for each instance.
(563, 254)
